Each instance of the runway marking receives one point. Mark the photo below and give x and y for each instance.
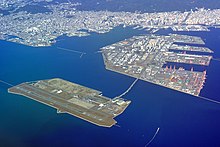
(158, 129)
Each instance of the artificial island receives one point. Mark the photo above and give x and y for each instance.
(77, 100)
(145, 57)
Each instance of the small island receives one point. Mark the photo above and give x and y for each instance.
(77, 100)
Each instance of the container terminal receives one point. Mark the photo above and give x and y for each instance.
(147, 56)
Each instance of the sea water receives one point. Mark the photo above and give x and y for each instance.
(184, 120)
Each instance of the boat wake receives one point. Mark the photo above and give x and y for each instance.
(158, 129)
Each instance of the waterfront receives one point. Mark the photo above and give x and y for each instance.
(182, 118)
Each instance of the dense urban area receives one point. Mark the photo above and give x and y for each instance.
(42, 29)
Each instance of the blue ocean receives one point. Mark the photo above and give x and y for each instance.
(184, 120)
